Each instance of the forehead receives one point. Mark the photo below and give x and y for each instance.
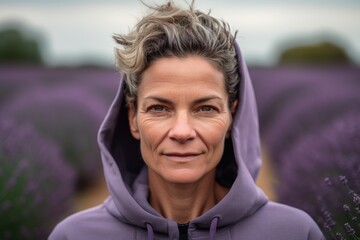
(190, 73)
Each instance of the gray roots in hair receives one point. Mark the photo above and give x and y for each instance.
(170, 31)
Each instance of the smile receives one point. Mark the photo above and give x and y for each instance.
(181, 157)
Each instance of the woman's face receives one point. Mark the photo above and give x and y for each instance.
(182, 118)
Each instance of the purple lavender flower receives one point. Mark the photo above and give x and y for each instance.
(35, 183)
(320, 174)
(17, 79)
(68, 116)
(294, 101)
(272, 84)
(102, 83)
(313, 111)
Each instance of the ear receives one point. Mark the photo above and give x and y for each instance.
(233, 111)
(133, 121)
(234, 107)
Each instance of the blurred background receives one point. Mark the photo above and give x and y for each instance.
(57, 80)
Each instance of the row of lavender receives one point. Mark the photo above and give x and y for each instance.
(309, 121)
(48, 124)
(310, 125)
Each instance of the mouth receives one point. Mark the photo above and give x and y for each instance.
(181, 157)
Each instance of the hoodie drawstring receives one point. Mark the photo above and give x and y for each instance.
(212, 232)
(150, 231)
(213, 228)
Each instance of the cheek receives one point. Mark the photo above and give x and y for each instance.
(147, 145)
(215, 134)
(150, 134)
(216, 141)
(214, 131)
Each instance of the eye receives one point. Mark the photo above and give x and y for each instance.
(207, 108)
(157, 108)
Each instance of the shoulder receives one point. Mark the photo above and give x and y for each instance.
(291, 221)
(285, 214)
(93, 223)
(278, 221)
(77, 224)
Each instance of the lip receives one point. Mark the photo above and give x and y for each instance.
(181, 157)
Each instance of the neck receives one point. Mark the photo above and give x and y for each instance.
(184, 202)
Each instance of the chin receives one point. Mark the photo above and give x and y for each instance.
(183, 176)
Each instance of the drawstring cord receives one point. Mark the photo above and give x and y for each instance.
(213, 228)
(212, 232)
(150, 231)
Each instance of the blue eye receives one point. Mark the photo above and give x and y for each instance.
(157, 108)
(206, 108)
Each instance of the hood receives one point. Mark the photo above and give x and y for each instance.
(126, 176)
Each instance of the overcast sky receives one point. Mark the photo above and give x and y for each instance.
(74, 30)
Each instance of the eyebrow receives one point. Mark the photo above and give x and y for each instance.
(159, 99)
(197, 101)
(207, 98)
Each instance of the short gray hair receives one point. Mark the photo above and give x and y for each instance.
(172, 31)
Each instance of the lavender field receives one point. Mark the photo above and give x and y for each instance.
(310, 127)
(309, 122)
(48, 143)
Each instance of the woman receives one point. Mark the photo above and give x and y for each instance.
(180, 144)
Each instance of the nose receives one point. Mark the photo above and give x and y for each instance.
(182, 129)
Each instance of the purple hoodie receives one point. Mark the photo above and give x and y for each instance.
(244, 213)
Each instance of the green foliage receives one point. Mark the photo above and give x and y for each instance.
(16, 48)
(320, 53)
(35, 183)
